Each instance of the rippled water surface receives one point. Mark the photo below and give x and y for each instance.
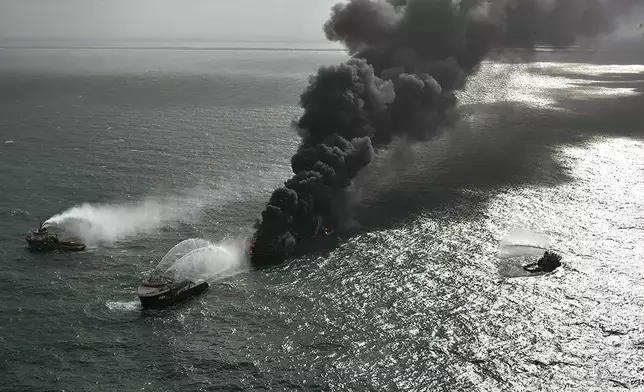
(195, 141)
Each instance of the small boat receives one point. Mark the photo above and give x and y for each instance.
(162, 291)
(547, 263)
(42, 240)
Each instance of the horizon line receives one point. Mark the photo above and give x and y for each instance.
(166, 47)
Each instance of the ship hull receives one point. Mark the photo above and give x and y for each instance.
(44, 246)
(170, 297)
(311, 246)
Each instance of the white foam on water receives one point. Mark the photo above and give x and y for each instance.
(125, 306)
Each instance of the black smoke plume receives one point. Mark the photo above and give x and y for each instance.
(409, 57)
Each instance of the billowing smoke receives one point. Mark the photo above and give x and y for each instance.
(409, 57)
(561, 22)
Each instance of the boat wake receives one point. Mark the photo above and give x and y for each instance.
(122, 306)
(198, 259)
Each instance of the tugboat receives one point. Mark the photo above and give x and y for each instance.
(42, 240)
(547, 263)
(162, 291)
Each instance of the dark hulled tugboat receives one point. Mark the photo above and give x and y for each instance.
(547, 263)
(162, 291)
(42, 240)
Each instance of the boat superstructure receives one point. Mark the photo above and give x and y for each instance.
(161, 291)
(43, 240)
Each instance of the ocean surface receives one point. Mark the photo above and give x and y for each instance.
(142, 149)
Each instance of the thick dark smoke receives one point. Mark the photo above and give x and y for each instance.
(409, 57)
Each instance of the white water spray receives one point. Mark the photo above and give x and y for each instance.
(108, 223)
(96, 224)
(198, 259)
(178, 251)
(522, 242)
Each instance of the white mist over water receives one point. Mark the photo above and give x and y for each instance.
(522, 242)
(107, 223)
(199, 259)
(97, 224)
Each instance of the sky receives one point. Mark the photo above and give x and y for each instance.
(184, 21)
(173, 20)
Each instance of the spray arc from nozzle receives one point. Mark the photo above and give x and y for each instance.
(198, 259)
(522, 242)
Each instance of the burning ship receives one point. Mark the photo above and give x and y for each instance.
(267, 249)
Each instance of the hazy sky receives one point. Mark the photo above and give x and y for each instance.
(218, 20)
(181, 20)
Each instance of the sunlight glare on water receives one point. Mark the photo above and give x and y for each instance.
(418, 299)
(527, 83)
(440, 313)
